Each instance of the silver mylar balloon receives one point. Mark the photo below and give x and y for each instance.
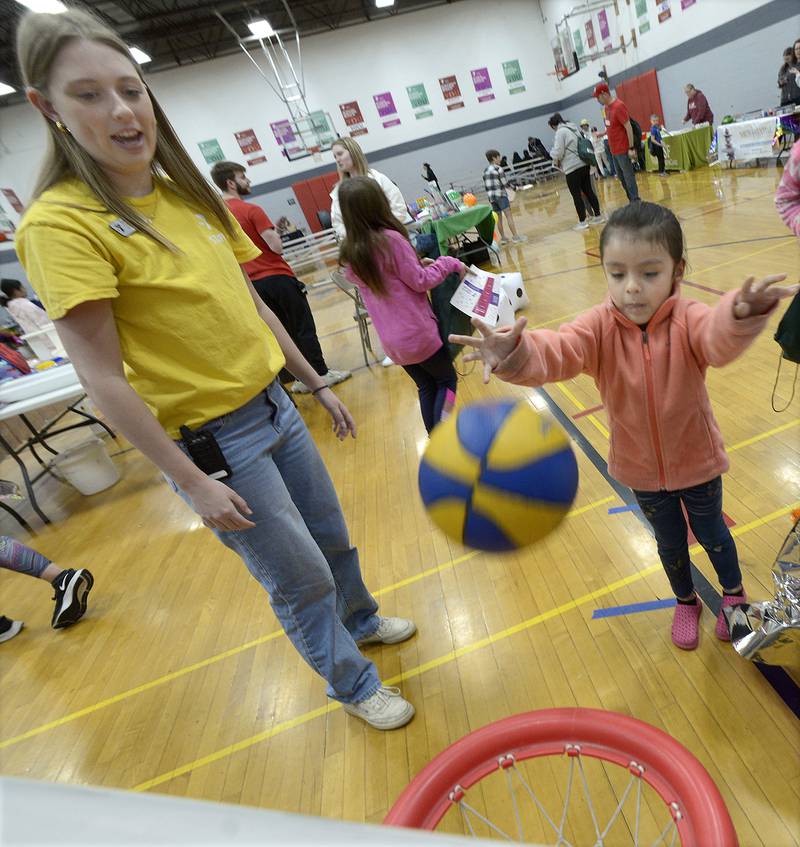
(769, 632)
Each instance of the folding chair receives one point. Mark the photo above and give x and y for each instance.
(361, 316)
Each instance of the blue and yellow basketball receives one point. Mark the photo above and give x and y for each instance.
(498, 476)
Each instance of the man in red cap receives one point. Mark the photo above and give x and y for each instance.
(620, 138)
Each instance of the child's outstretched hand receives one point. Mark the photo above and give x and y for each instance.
(756, 298)
(493, 346)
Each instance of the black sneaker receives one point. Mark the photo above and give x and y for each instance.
(9, 628)
(72, 588)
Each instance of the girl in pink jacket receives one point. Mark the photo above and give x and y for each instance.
(380, 260)
(648, 350)
(787, 197)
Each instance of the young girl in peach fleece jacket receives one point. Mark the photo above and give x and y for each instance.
(648, 350)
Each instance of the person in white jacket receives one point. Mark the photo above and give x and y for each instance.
(351, 161)
(28, 316)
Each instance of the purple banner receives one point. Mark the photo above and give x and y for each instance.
(686, 3)
(387, 111)
(602, 19)
(483, 84)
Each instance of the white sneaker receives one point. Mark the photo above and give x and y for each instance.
(386, 709)
(9, 628)
(298, 387)
(596, 221)
(334, 377)
(390, 631)
(519, 239)
(581, 225)
(504, 241)
(387, 362)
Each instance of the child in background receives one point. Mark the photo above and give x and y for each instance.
(379, 259)
(787, 197)
(29, 316)
(496, 189)
(657, 144)
(71, 586)
(648, 350)
(598, 143)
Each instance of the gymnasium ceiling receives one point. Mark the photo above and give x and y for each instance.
(183, 32)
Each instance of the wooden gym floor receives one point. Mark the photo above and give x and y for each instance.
(178, 681)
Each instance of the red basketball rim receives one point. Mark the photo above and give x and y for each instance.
(669, 768)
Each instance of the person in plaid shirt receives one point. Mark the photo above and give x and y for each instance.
(495, 182)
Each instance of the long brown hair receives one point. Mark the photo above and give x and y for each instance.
(366, 213)
(40, 38)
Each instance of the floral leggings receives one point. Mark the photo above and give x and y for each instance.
(17, 557)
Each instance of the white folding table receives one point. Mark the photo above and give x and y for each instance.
(72, 392)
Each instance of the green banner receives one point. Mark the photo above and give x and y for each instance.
(641, 8)
(513, 75)
(418, 98)
(211, 151)
(577, 39)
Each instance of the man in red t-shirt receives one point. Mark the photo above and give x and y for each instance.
(272, 278)
(621, 141)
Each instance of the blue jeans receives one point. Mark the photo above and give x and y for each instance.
(299, 550)
(704, 506)
(627, 175)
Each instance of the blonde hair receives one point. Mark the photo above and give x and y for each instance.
(360, 166)
(40, 38)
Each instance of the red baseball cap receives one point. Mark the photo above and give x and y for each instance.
(600, 88)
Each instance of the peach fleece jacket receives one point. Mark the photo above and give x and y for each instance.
(652, 382)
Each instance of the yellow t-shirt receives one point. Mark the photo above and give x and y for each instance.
(193, 343)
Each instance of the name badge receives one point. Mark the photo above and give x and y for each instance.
(122, 227)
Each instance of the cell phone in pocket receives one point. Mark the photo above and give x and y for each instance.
(206, 453)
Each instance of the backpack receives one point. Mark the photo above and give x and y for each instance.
(788, 336)
(452, 321)
(585, 149)
(637, 132)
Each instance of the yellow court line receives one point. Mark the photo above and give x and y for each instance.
(557, 320)
(748, 441)
(581, 408)
(162, 680)
(740, 258)
(446, 658)
(467, 556)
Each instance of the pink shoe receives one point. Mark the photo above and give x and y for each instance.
(685, 630)
(721, 629)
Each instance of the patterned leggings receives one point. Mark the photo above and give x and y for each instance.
(18, 557)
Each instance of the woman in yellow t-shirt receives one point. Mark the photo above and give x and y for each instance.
(138, 263)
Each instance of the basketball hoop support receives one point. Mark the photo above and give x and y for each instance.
(287, 83)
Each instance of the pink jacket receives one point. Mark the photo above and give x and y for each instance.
(403, 317)
(787, 197)
(663, 432)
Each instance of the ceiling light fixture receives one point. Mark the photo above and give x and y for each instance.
(6, 89)
(262, 29)
(382, 4)
(139, 55)
(50, 7)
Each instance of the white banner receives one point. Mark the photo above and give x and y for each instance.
(746, 139)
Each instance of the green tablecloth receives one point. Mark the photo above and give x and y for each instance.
(683, 152)
(478, 217)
